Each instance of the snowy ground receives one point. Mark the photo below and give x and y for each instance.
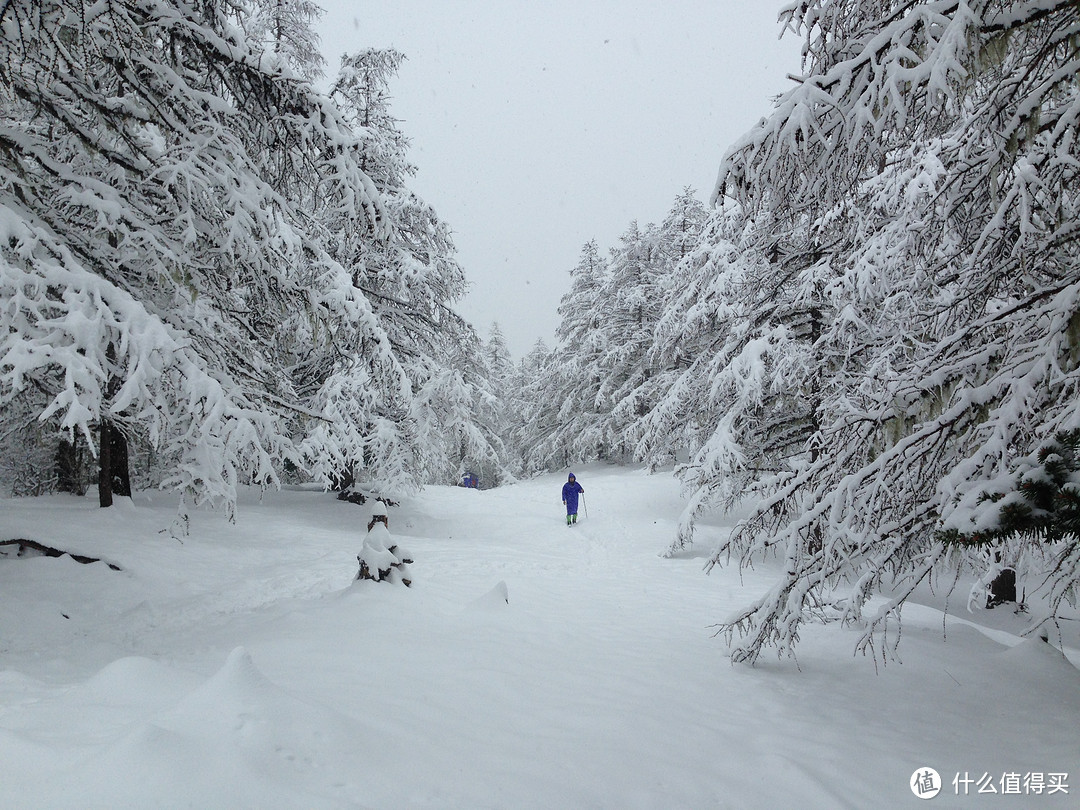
(243, 669)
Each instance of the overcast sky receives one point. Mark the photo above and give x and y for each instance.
(538, 125)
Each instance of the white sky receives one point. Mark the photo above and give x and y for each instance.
(537, 125)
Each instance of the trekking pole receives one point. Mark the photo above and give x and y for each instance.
(584, 505)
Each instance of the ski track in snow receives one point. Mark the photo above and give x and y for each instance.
(530, 665)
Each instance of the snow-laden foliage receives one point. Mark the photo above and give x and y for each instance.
(1039, 504)
(412, 279)
(206, 255)
(538, 380)
(639, 373)
(579, 433)
(382, 560)
(500, 373)
(631, 308)
(605, 374)
(906, 297)
(285, 28)
(150, 248)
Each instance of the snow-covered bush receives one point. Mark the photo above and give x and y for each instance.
(381, 559)
(1034, 514)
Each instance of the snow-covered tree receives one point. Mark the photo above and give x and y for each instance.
(380, 558)
(497, 358)
(1029, 522)
(579, 430)
(155, 249)
(500, 371)
(457, 409)
(631, 306)
(916, 196)
(680, 232)
(675, 338)
(539, 378)
(286, 28)
(703, 311)
(608, 375)
(413, 279)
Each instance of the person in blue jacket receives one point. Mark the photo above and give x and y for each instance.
(570, 491)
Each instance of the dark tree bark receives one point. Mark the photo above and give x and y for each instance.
(114, 477)
(104, 465)
(68, 467)
(113, 472)
(1002, 588)
(343, 480)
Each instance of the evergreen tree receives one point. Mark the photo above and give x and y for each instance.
(671, 350)
(1034, 512)
(579, 433)
(156, 243)
(412, 279)
(631, 309)
(909, 201)
(704, 320)
(539, 377)
(500, 364)
(500, 372)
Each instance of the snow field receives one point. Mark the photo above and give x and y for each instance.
(243, 668)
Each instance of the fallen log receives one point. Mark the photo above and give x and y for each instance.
(49, 551)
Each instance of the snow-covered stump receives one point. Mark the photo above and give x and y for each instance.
(381, 559)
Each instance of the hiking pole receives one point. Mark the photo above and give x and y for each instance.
(584, 505)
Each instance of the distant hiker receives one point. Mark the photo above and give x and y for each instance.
(570, 491)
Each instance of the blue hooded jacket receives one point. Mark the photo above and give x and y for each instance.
(570, 492)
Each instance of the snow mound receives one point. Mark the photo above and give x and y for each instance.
(1037, 659)
(136, 675)
(237, 701)
(237, 740)
(495, 599)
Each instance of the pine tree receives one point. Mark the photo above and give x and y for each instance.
(579, 433)
(539, 378)
(913, 192)
(413, 279)
(631, 309)
(659, 439)
(500, 373)
(1035, 511)
(157, 245)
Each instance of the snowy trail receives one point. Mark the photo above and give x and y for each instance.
(244, 669)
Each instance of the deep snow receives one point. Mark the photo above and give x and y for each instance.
(531, 665)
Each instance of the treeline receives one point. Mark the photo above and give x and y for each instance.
(871, 335)
(211, 272)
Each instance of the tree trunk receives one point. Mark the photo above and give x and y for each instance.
(68, 467)
(121, 469)
(104, 465)
(343, 480)
(114, 477)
